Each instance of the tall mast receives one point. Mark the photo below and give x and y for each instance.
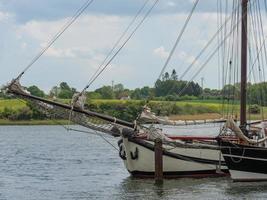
(244, 47)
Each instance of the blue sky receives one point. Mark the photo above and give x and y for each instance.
(27, 25)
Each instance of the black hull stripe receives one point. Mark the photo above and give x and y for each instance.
(177, 156)
(246, 160)
(192, 174)
(248, 151)
(246, 165)
(243, 157)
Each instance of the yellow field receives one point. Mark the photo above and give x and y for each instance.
(12, 103)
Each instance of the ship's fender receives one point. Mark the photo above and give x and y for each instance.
(122, 152)
(134, 156)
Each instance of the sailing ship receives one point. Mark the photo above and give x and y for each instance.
(182, 156)
(246, 157)
(185, 156)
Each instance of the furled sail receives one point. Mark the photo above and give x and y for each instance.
(230, 124)
(147, 116)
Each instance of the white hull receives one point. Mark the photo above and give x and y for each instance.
(179, 162)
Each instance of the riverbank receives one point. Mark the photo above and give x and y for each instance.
(6, 122)
(16, 112)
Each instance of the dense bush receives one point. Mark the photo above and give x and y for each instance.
(254, 109)
(36, 114)
(20, 114)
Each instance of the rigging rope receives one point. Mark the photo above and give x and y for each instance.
(220, 30)
(58, 34)
(93, 132)
(178, 39)
(121, 47)
(209, 58)
(117, 42)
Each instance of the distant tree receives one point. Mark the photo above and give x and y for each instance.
(118, 87)
(64, 86)
(65, 94)
(143, 93)
(173, 87)
(230, 91)
(34, 90)
(147, 92)
(54, 91)
(257, 93)
(64, 91)
(166, 76)
(2, 95)
(106, 92)
(118, 90)
(174, 75)
(94, 95)
(136, 94)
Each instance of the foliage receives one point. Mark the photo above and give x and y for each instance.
(64, 91)
(254, 109)
(20, 114)
(93, 95)
(106, 92)
(143, 93)
(167, 87)
(127, 110)
(258, 94)
(34, 90)
(36, 114)
(231, 91)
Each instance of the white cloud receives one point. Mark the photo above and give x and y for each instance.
(60, 53)
(192, 1)
(171, 4)
(89, 36)
(4, 16)
(23, 45)
(161, 52)
(88, 29)
(186, 58)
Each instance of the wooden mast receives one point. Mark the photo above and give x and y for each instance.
(243, 86)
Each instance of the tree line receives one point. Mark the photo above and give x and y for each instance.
(168, 88)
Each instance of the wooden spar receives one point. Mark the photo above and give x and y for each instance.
(187, 138)
(158, 161)
(86, 112)
(243, 86)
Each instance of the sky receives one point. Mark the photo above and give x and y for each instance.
(26, 26)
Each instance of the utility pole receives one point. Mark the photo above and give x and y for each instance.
(112, 85)
(202, 86)
(202, 82)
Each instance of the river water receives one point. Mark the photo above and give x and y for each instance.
(47, 162)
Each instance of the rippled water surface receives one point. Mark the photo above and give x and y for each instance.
(47, 162)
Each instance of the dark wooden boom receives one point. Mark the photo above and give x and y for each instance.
(78, 110)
